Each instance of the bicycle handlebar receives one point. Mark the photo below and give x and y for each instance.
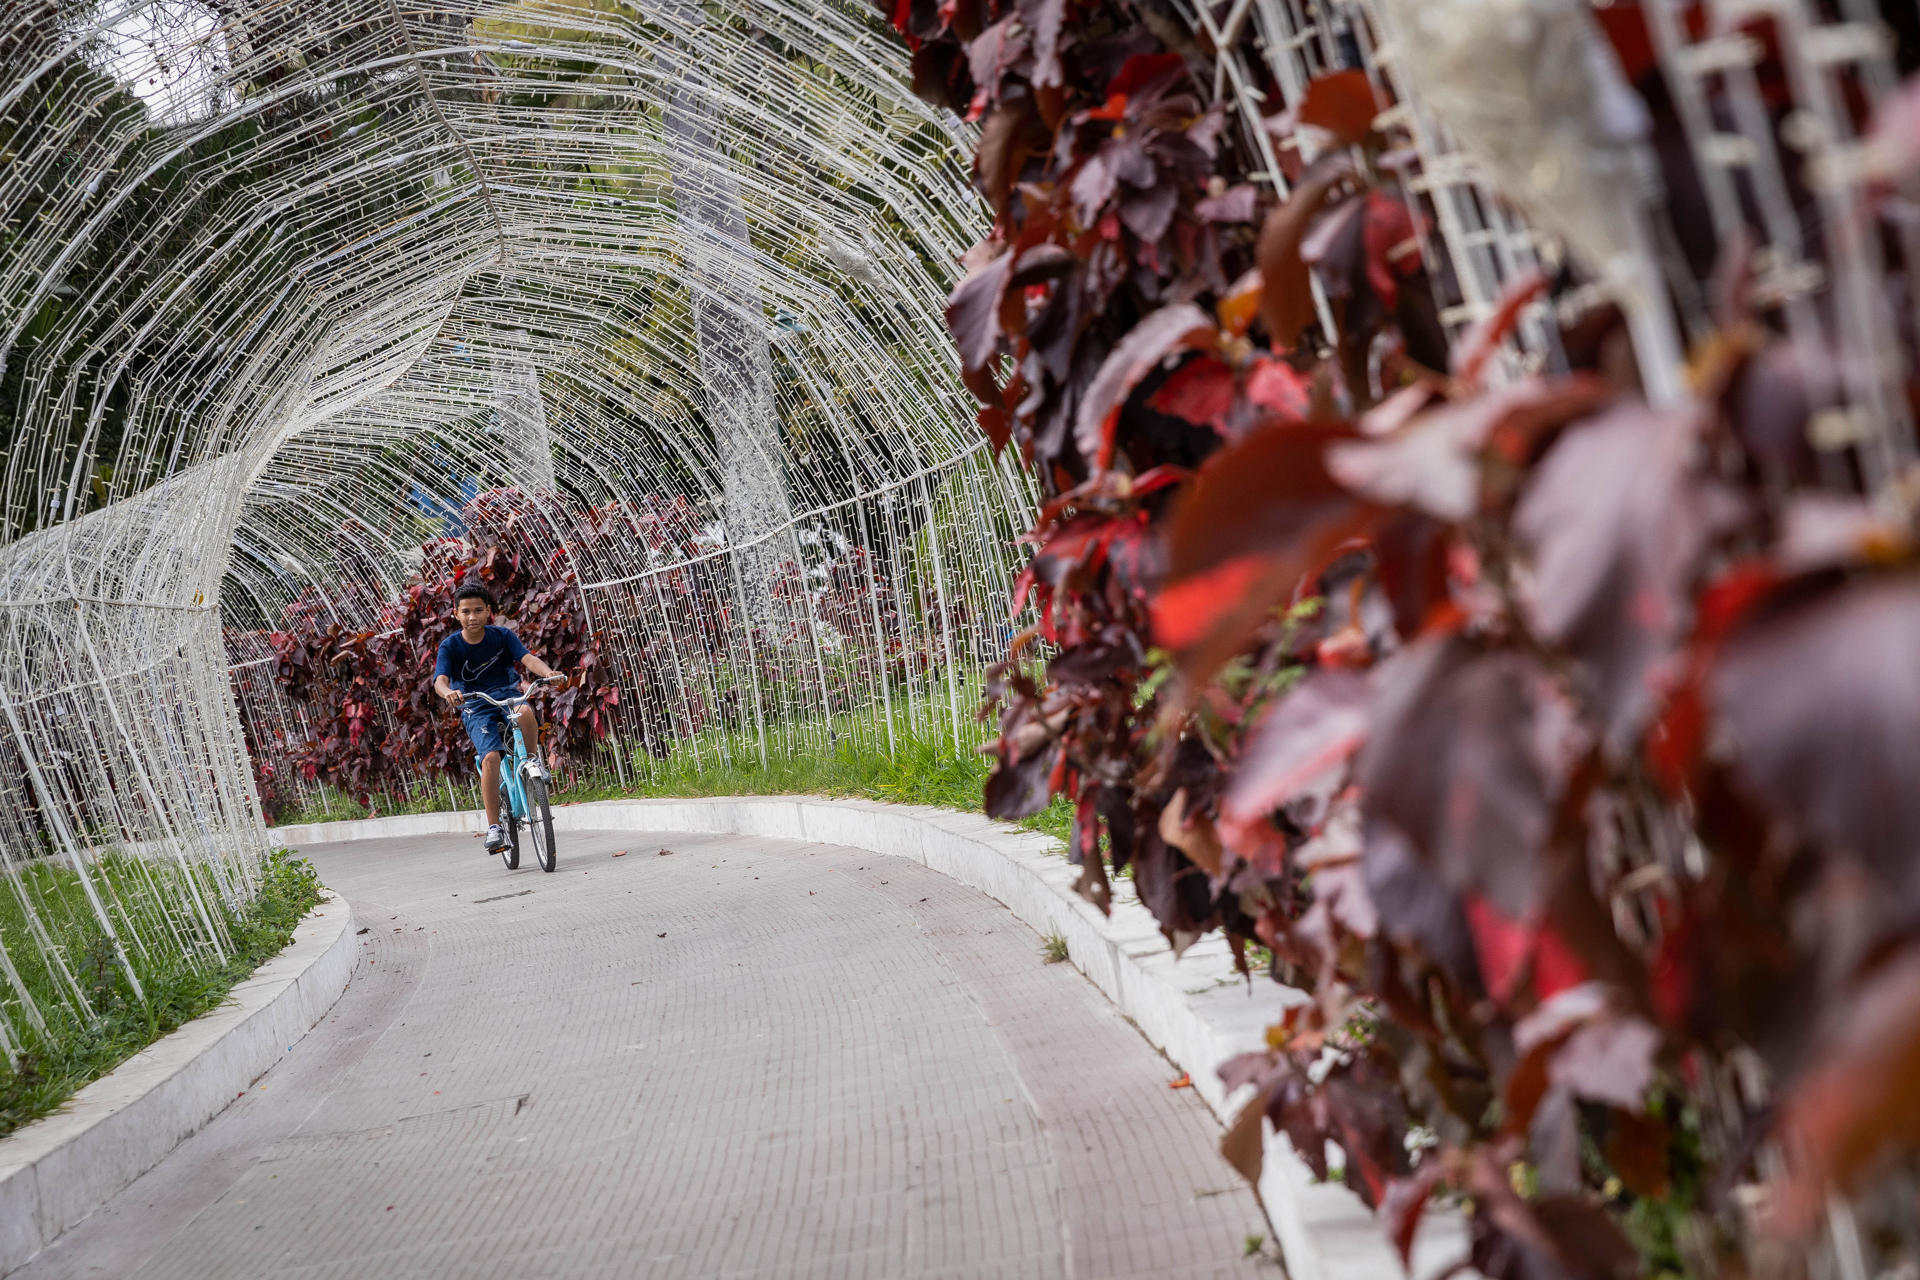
(506, 704)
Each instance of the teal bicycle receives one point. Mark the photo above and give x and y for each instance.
(523, 787)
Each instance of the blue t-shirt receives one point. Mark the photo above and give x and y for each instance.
(487, 667)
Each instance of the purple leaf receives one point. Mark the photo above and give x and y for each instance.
(1235, 204)
(973, 311)
(1462, 763)
(1820, 698)
(1301, 745)
(1617, 523)
(1433, 463)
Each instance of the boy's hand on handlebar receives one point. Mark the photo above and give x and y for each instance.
(556, 678)
(454, 697)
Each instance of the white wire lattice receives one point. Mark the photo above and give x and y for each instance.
(282, 286)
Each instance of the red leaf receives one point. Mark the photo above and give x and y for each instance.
(1636, 1150)
(995, 425)
(1392, 246)
(1184, 612)
(1045, 18)
(1403, 1206)
(1501, 944)
(1610, 1059)
(1277, 386)
(1146, 74)
(990, 52)
(1480, 343)
(1670, 981)
(1201, 391)
(1243, 1146)
(1021, 788)
(1857, 1105)
(1236, 204)
(1729, 599)
(1258, 517)
(1676, 741)
(1343, 104)
(1286, 296)
(1135, 356)
(1511, 950)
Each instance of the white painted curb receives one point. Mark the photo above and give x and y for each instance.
(1195, 1009)
(59, 1169)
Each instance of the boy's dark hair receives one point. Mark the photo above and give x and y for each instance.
(474, 591)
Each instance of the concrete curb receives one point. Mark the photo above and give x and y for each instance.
(1195, 1009)
(59, 1169)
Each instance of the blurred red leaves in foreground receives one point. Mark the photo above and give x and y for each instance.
(1560, 746)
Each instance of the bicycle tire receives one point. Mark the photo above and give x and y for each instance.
(540, 823)
(511, 821)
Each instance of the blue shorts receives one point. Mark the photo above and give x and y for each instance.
(487, 724)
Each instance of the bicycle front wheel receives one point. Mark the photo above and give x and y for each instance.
(540, 823)
(511, 821)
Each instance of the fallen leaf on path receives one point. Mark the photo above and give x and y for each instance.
(1184, 1082)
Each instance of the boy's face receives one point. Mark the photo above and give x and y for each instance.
(473, 614)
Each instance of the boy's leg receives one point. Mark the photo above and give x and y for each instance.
(484, 728)
(529, 730)
(490, 787)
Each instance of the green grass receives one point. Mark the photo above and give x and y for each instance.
(849, 757)
(74, 1051)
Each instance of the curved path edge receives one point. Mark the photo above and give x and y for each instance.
(1193, 1008)
(60, 1168)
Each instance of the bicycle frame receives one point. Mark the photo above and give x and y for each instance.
(512, 768)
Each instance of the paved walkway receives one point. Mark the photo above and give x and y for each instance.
(749, 1058)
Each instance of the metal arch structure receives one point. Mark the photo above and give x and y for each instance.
(270, 269)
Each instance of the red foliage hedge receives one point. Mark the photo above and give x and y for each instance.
(1559, 745)
(377, 728)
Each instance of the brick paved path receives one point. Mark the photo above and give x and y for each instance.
(751, 1058)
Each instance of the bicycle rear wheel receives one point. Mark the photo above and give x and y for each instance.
(540, 823)
(511, 821)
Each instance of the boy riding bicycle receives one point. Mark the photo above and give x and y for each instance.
(481, 658)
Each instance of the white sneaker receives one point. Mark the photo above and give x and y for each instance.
(496, 838)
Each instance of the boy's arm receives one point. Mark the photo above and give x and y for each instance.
(442, 668)
(533, 663)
